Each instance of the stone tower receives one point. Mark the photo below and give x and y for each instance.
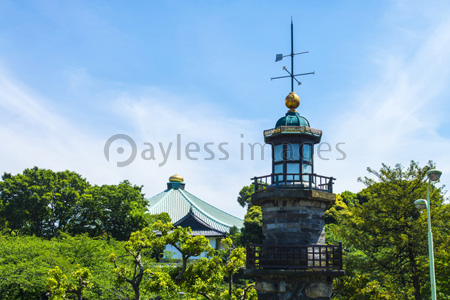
(293, 261)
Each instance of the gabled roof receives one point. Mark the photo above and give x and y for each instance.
(178, 203)
(198, 226)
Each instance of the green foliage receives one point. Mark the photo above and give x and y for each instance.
(195, 279)
(81, 267)
(59, 286)
(129, 266)
(339, 208)
(43, 203)
(205, 276)
(25, 262)
(252, 230)
(245, 196)
(120, 210)
(361, 287)
(74, 252)
(40, 202)
(61, 242)
(385, 236)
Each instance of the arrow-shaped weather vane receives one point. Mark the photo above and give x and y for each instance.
(291, 73)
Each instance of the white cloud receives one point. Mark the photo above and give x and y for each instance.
(395, 118)
(37, 135)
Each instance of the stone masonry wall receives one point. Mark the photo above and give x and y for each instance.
(293, 222)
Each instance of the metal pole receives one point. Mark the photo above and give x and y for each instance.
(292, 56)
(430, 246)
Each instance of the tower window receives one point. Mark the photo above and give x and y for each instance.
(278, 169)
(307, 153)
(278, 153)
(292, 152)
(293, 169)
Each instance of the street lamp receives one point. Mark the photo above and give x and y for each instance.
(433, 175)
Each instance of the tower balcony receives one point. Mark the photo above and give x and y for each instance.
(305, 181)
(294, 257)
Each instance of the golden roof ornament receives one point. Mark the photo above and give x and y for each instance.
(292, 101)
(176, 178)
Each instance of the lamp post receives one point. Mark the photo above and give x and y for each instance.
(433, 175)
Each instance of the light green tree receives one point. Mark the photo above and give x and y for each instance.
(59, 285)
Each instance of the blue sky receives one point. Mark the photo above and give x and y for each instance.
(75, 73)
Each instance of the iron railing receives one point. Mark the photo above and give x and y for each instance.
(327, 257)
(305, 181)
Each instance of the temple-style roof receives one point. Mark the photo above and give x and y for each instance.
(186, 209)
(198, 226)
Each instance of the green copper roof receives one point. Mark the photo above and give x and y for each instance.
(292, 118)
(178, 202)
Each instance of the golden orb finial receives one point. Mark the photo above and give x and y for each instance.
(176, 178)
(292, 101)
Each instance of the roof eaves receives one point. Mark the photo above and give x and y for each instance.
(204, 213)
(197, 219)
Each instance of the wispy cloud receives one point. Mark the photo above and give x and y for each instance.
(34, 133)
(395, 117)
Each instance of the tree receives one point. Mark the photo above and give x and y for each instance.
(40, 201)
(43, 203)
(234, 260)
(59, 286)
(252, 230)
(205, 276)
(148, 240)
(386, 235)
(183, 240)
(245, 196)
(117, 210)
(134, 248)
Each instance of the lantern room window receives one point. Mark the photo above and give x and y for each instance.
(307, 153)
(278, 153)
(278, 169)
(292, 152)
(291, 161)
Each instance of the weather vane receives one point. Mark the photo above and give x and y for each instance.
(291, 73)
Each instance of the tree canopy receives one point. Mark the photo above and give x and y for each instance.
(252, 230)
(386, 236)
(43, 203)
(63, 238)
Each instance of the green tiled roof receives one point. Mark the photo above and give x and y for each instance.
(178, 202)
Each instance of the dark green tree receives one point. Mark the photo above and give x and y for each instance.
(117, 210)
(252, 230)
(245, 196)
(40, 202)
(43, 203)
